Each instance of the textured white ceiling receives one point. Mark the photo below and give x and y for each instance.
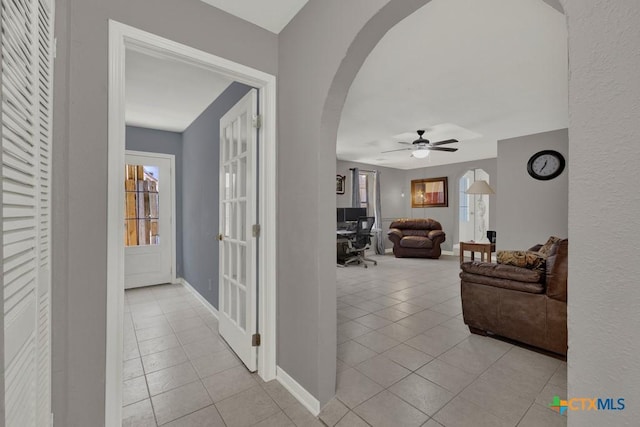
(272, 15)
(497, 68)
(165, 94)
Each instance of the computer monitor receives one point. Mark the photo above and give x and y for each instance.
(352, 214)
(340, 218)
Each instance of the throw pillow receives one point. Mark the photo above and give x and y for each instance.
(546, 249)
(525, 259)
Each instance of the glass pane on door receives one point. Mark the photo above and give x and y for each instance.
(142, 198)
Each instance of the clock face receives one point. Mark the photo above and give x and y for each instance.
(546, 165)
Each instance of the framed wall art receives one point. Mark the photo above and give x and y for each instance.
(429, 193)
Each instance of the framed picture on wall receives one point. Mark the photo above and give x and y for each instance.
(340, 181)
(429, 193)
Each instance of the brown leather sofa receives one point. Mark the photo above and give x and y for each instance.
(416, 238)
(523, 304)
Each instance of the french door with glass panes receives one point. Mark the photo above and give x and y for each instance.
(237, 286)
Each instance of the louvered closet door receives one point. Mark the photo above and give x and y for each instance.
(27, 68)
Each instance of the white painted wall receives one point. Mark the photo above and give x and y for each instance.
(529, 210)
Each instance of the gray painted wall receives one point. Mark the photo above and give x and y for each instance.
(529, 210)
(201, 157)
(80, 151)
(160, 141)
(448, 216)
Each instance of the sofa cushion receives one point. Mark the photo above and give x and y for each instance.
(502, 271)
(416, 224)
(416, 242)
(528, 287)
(410, 232)
(550, 247)
(524, 259)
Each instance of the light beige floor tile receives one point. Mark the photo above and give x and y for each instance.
(423, 394)
(549, 391)
(376, 341)
(353, 388)
(134, 390)
(279, 394)
(382, 370)
(195, 334)
(352, 420)
(153, 332)
(138, 414)
(206, 417)
(333, 412)
(407, 356)
(501, 402)
(369, 306)
(132, 369)
(432, 423)
(386, 301)
(130, 350)
(399, 332)
(560, 376)
(467, 359)
(520, 382)
(301, 416)
(538, 416)
(457, 324)
(387, 410)
(433, 345)
(372, 321)
(353, 353)
(158, 344)
(352, 312)
(217, 362)
(530, 362)
(352, 329)
(227, 383)
(182, 324)
(462, 413)
(164, 359)
(209, 345)
(170, 378)
(180, 401)
(450, 377)
(236, 412)
(182, 314)
(155, 320)
(391, 313)
(277, 420)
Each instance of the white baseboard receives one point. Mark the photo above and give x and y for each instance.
(304, 397)
(388, 251)
(200, 298)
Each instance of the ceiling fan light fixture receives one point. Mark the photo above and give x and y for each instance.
(420, 154)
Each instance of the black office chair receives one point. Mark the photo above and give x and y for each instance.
(360, 242)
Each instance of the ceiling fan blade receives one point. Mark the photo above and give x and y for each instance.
(451, 150)
(400, 149)
(404, 143)
(447, 141)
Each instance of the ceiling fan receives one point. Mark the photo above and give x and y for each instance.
(422, 146)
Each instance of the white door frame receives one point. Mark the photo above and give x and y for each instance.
(172, 192)
(122, 37)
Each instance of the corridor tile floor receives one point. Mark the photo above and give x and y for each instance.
(405, 357)
(178, 372)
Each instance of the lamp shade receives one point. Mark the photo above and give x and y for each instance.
(480, 187)
(420, 154)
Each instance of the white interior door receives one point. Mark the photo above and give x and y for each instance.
(25, 250)
(237, 263)
(149, 208)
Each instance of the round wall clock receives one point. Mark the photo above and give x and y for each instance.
(545, 165)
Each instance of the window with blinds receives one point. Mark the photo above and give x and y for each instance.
(26, 78)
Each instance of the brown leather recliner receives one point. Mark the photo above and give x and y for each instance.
(525, 305)
(416, 237)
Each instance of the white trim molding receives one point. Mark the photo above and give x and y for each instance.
(122, 38)
(304, 397)
(203, 301)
